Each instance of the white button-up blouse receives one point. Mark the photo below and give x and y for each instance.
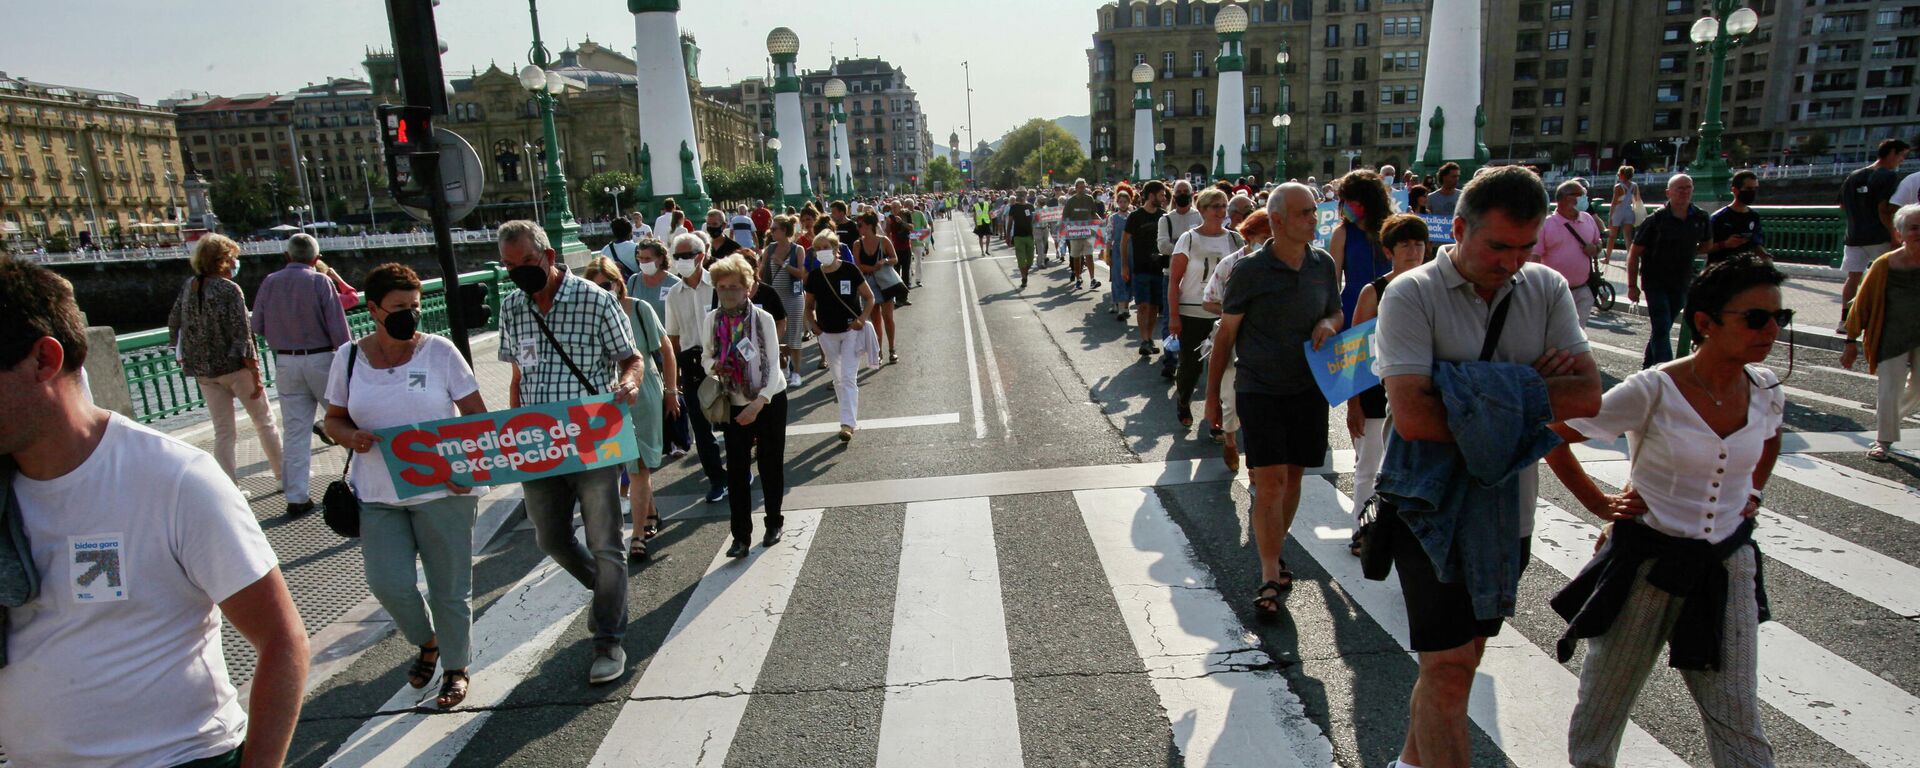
(1695, 483)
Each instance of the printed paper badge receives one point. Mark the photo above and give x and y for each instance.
(98, 568)
(416, 379)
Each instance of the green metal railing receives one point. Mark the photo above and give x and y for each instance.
(159, 389)
(1796, 234)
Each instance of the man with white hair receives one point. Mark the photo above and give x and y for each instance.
(686, 304)
(740, 228)
(1660, 263)
(1390, 175)
(1569, 240)
(298, 310)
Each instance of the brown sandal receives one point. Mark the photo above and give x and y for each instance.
(453, 689)
(421, 672)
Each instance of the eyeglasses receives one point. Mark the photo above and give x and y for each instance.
(604, 286)
(1757, 318)
(687, 256)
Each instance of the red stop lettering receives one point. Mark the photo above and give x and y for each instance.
(598, 421)
(542, 423)
(416, 448)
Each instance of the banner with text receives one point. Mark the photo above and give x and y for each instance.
(1047, 216)
(1343, 366)
(508, 446)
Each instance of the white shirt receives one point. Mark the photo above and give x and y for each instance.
(1204, 253)
(687, 305)
(622, 252)
(118, 662)
(421, 389)
(1216, 290)
(1695, 483)
(663, 225)
(766, 353)
(1908, 192)
(740, 228)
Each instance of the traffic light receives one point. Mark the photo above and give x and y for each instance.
(473, 303)
(404, 132)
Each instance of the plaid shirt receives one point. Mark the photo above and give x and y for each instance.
(587, 321)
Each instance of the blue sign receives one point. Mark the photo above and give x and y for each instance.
(1439, 228)
(1343, 366)
(966, 165)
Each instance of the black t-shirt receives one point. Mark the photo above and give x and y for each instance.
(1728, 222)
(836, 297)
(1021, 216)
(1143, 242)
(1670, 243)
(1861, 197)
(848, 230)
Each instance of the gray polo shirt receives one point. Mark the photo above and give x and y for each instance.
(1279, 307)
(1432, 313)
(1441, 203)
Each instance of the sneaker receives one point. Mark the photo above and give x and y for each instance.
(1079, 285)
(1096, 285)
(846, 434)
(714, 495)
(301, 509)
(608, 665)
(1146, 351)
(793, 380)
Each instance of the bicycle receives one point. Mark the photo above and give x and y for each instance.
(1602, 288)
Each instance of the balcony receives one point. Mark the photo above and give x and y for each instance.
(6, 173)
(27, 173)
(1202, 72)
(1256, 108)
(53, 175)
(1165, 74)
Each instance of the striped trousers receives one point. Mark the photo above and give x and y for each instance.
(1618, 662)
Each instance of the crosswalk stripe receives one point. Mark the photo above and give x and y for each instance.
(1866, 574)
(1793, 393)
(687, 706)
(948, 655)
(1525, 700)
(867, 424)
(1845, 482)
(509, 641)
(1223, 705)
(1848, 706)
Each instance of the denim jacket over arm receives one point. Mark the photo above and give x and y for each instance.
(1461, 500)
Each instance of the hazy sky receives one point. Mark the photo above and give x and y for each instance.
(1028, 56)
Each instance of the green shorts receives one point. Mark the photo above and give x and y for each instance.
(1023, 251)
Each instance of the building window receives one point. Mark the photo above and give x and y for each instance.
(1166, 64)
(1560, 10)
(1669, 92)
(1199, 63)
(1139, 59)
(1520, 126)
(1333, 70)
(1554, 97)
(1253, 137)
(1139, 17)
(1200, 141)
(1329, 136)
(1585, 124)
(1333, 35)
(1550, 126)
(1166, 17)
(1360, 34)
(1357, 134)
(1557, 68)
(1199, 101)
(1257, 13)
(1166, 101)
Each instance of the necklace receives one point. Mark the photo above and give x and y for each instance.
(1702, 384)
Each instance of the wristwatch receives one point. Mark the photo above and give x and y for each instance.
(1759, 499)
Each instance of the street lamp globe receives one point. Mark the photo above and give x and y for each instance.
(773, 144)
(1704, 30)
(1231, 20)
(783, 42)
(836, 89)
(533, 78)
(1162, 147)
(1282, 57)
(555, 83)
(1142, 73)
(1742, 22)
(1282, 121)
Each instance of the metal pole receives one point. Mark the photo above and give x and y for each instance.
(373, 222)
(1712, 171)
(970, 145)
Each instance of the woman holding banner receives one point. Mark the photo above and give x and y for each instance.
(1404, 236)
(394, 377)
(740, 348)
(650, 408)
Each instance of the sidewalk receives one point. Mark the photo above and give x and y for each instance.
(1813, 293)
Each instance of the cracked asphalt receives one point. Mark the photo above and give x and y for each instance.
(1077, 396)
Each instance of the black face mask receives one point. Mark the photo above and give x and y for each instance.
(531, 278)
(402, 325)
(1746, 196)
(1182, 200)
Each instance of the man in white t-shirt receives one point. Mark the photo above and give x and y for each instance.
(740, 228)
(1908, 192)
(133, 539)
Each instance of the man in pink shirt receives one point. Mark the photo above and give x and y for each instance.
(1569, 239)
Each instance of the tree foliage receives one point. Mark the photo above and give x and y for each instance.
(1816, 145)
(603, 203)
(1026, 154)
(744, 184)
(240, 203)
(946, 174)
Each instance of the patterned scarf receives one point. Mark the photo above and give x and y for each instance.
(729, 328)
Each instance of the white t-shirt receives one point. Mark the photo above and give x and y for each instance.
(1204, 253)
(622, 252)
(1908, 192)
(118, 662)
(741, 230)
(421, 389)
(687, 306)
(1216, 290)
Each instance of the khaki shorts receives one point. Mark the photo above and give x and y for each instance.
(1080, 249)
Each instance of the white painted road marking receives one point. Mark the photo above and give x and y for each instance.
(973, 367)
(892, 423)
(979, 315)
(687, 706)
(948, 655)
(1851, 484)
(1224, 713)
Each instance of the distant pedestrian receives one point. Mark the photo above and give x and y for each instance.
(209, 333)
(621, 249)
(651, 285)
(838, 308)
(1143, 265)
(785, 264)
(740, 347)
(140, 546)
(1277, 302)
(1084, 211)
(1365, 204)
(1866, 197)
(1404, 236)
(1256, 231)
(1195, 257)
(1625, 212)
(349, 297)
(762, 219)
(740, 227)
(1737, 228)
(922, 245)
(671, 221)
(431, 532)
(1661, 263)
(1116, 234)
(875, 257)
(1020, 214)
(589, 331)
(898, 227)
(1570, 241)
(1886, 321)
(298, 310)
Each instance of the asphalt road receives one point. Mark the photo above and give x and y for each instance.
(1044, 569)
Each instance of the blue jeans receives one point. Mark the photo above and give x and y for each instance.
(1664, 306)
(601, 565)
(1122, 292)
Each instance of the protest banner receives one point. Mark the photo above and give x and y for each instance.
(1047, 216)
(1343, 366)
(920, 234)
(1439, 228)
(508, 446)
(1080, 230)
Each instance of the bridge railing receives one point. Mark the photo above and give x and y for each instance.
(159, 388)
(274, 247)
(1796, 234)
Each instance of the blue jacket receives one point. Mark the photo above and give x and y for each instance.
(1461, 500)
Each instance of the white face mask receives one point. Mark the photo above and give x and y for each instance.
(649, 268)
(685, 267)
(827, 258)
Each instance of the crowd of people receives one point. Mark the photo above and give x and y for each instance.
(698, 323)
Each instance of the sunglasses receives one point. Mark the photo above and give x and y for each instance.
(687, 256)
(1756, 319)
(604, 286)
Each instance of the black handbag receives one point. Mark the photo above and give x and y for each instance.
(340, 508)
(1376, 539)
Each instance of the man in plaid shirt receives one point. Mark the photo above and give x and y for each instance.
(591, 328)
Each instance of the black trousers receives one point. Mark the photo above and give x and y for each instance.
(769, 430)
(1193, 332)
(690, 377)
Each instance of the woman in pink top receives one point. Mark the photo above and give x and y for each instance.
(1569, 239)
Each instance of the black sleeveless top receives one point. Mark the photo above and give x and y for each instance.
(1373, 401)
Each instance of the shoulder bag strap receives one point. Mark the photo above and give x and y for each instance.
(353, 356)
(535, 311)
(1495, 326)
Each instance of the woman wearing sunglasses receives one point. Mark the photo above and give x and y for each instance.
(650, 408)
(1703, 432)
(1886, 320)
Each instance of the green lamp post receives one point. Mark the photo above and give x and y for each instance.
(562, 231)
(1281, 122)
(1716, 34)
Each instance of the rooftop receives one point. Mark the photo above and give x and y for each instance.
(17, 84)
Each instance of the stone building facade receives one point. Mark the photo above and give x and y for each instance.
(887, 131)
(79, 160)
